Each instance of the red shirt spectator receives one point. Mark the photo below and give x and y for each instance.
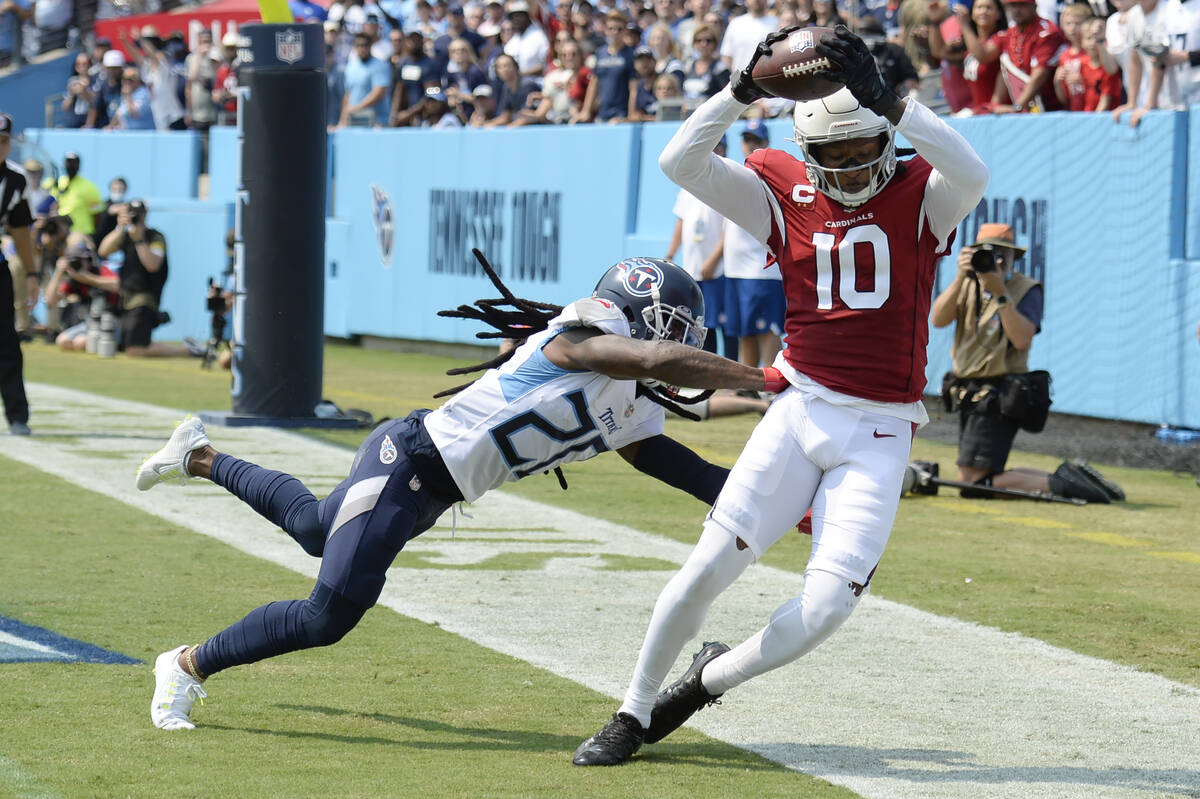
(1033, 45)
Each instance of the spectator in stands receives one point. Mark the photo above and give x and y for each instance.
(462, 72)
(946, 46)
(632, 35)
(666, 54)
(563, 90)
(1167, 23)
(12, 14)
(225, 84)
(705, 73)
(897, 70)
(106, 90)
(77, 100)
(745, 32)
(514, 91)
(914, 36)
(156, 69)
(77, 196)
(888, 14)
(201, 65)
(53, 20)
(457, 30)
(583, 23)
(484, 106)
(144, 270)
(1068, 76)
(608, 93)
(381, 47)
(753, 293)
(100, 46)
(435, 111)
(117, 189)
(827, 15)
(975, 25)
(528, 45)
(414, 73)
(1123, 31)
(1102, 89)
(133, 111)
(335, 88)
(1033, 46)
(307, 11)
(365, 102)
(641, 90)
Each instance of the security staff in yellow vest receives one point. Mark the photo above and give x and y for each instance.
(77, 197)
(997, 312)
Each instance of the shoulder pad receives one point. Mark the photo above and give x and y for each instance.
(593, 312)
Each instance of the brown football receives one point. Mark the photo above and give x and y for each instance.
(788, 70)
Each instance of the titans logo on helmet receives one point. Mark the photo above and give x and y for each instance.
(642, 277)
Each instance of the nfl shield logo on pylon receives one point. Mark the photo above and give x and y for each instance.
(289, 46)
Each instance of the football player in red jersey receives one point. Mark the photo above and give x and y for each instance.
(857, 235)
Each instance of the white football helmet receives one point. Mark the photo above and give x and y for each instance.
(836, 118)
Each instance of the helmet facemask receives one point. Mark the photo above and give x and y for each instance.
(674, 323)
(839, 118)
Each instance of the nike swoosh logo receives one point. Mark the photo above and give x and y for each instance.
(884, 435)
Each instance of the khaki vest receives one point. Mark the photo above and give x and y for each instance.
(980, 347)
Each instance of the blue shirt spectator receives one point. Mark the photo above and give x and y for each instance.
(457, 30)
(133, 108)
(416, 72)
(106, 91)
(10, 23)
(613, 72)
(367, 80)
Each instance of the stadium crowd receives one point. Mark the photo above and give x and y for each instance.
(429, 63)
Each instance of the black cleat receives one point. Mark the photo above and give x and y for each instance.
(680, 700)
(1112, 489)
(616, 742)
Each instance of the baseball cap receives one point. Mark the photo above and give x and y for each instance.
(643, 51)
(998, 234)
(113, 58)
(6, 125)
(434, 93)
(756, 129)
(482, 90)
(70, 155)
(517, 7)
(32, 165)
(488, 28)
(77, 247)
(230, 39)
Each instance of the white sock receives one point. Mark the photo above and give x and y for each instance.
(680, 611)
(796, 628)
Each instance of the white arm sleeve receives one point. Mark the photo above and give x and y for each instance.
(729, 188)
(959, 176)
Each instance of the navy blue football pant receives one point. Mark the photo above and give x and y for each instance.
(357, 531)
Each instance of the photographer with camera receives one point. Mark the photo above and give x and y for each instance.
(143, 275)
(997, 312)
(50, 241)
(81, 287)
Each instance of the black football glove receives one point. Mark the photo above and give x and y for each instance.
(853, 65)
(743, 87)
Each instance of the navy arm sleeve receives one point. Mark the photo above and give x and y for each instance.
(667, 460)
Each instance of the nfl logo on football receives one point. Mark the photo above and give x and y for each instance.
(800, 41)
(289, 46)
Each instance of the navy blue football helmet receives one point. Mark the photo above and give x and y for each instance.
(660, 300)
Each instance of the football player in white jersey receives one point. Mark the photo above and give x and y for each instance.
(580, 386)
(857, 235)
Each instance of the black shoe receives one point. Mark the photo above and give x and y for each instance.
(680, 700)
(1112, 489)
(616, 742)
(1069, 480)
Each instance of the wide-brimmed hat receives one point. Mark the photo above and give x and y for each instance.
(998, 235)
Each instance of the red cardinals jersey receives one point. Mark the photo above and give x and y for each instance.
(1038, 44)
(858, 281)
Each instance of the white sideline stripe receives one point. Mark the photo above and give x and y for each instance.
(899, 704)
(23, 784)
(24, 643)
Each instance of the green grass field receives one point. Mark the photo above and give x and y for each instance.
(402, 708)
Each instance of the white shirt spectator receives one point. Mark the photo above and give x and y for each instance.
(529, 49)
(1122, 31)
(743, 35)
(1169, 24)
(746, 257)
(701, 232)
(159, 78)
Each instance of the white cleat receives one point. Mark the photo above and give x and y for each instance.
(168, 463)
(174, 692)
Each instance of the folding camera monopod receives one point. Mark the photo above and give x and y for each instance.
(921, 477)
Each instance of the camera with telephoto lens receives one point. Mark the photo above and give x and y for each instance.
(137, 212)
(983, 260)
